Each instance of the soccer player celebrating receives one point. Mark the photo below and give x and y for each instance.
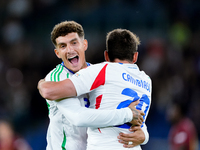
(68, 38)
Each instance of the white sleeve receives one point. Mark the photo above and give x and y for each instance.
(144, 129)
(87, 117)
(84, 79)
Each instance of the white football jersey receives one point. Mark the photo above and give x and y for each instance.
(69, 117)
(112, 86)
(62, 134)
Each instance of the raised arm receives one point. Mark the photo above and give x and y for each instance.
(56, 90)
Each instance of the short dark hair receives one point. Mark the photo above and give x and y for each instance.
(121, 44)
(64, 28)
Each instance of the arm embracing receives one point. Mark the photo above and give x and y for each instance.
(139, 136)
(144, 129)
(56, 90)
(86, 117)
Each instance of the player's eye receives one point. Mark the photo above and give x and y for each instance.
(62, 46)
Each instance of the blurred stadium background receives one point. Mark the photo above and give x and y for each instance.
(169, 31)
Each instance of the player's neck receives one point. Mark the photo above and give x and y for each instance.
(122, 61)
(84, 65)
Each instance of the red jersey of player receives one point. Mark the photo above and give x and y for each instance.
(182, 135)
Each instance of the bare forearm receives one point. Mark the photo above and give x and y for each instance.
(137, 137)
(56, 90)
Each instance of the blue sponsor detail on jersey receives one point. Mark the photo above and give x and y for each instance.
(139, 83)
(132, 67)
(87, 102)
(143, 104)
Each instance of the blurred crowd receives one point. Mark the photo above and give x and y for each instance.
(169, 31)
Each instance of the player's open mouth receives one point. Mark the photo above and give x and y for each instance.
(73, 60)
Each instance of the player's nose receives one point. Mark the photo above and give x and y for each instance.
(69, 48)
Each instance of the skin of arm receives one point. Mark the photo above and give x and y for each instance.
(51, 90)
(137, 137)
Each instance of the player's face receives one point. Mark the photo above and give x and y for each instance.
(71, 49)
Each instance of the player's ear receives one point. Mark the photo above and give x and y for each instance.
(85, 42)
(57, 53)
(106, 55)
(135, 57)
